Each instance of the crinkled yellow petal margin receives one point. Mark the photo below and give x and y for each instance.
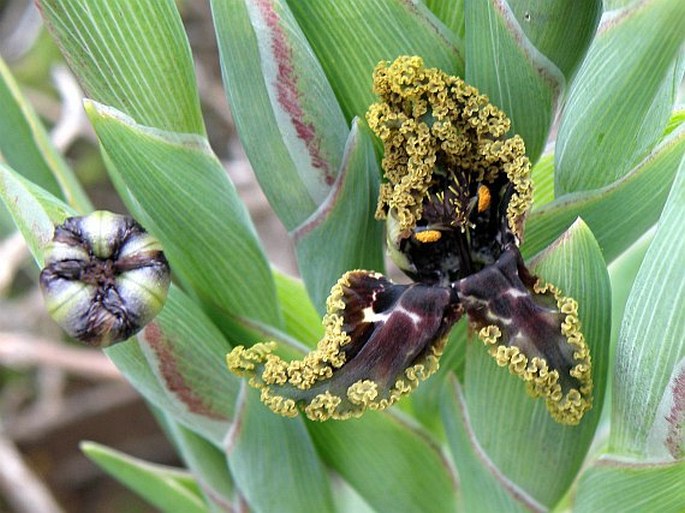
(565, 407)
(426, 117)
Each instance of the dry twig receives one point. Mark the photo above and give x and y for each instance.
(32, 425)
(13, 252)
(20, 486)
(72, 122)
(18, 350)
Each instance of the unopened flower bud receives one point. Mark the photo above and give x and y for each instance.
(104, 277)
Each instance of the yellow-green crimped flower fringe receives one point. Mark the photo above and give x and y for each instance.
(428, 121)
(530, 327)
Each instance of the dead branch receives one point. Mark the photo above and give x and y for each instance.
(20, 350)
(20, 486)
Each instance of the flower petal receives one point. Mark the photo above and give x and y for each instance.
(381, 339)
(431, 122)
(456, 188)
(532, 328)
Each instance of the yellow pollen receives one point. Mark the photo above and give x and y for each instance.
(483, 198)
(428, 236)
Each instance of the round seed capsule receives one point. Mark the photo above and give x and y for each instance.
(104, 278)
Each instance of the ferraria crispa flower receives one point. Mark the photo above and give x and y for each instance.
(455, 197)
(104, 278)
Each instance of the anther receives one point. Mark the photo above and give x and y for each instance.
(483, 198)
(427, 236)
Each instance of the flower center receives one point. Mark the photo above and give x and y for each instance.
(100, 272)
(462, 229)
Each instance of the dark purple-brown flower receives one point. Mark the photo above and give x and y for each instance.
(455, 196)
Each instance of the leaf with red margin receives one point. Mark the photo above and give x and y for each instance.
(342, 234)
(667, 435)
(176, 363)
(351, 37)
(651, 345)
(299, 92)
(286, 114)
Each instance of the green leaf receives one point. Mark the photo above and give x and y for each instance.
(615, 485)
(610, 5)
(451, 14)
(454, 357)
(393, 466)
(618, 214)
(343, 234)
(25, 145)
(351, 37)
(286, 114)
(561, 30)
(180, 192)
(677, 118)
(483, 487)
(301, 319)
(133, 56)
(622, 96)
(7, 226)
(347, 500)
(177, 362)
(647, 409)
(206, 462)
(515, 431)
(503, 64)
(274, 462)
(34, 210)
(426, 399)
(622, 272)
(542, 175)
(168, 489)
